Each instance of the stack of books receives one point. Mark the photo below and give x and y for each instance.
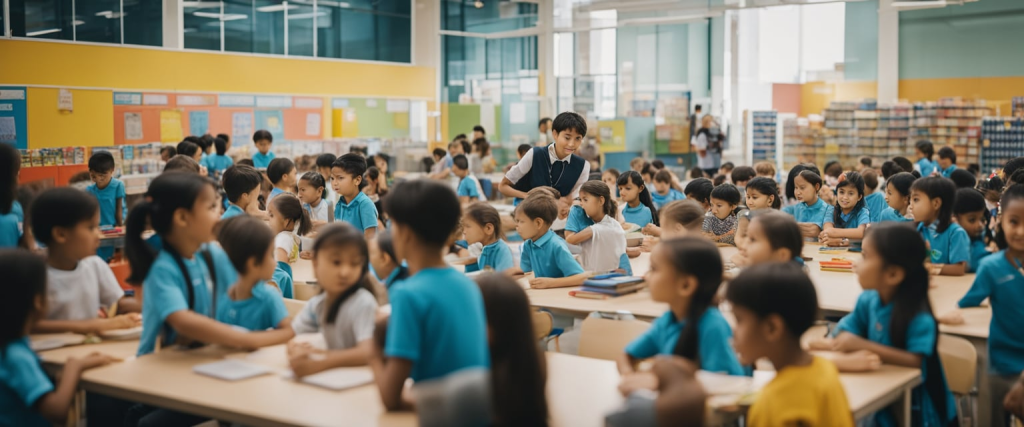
(604, 286)
(840, 265)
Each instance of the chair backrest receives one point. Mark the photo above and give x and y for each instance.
(607, 339)
(543, 323)
(294, 306)
(959, 361)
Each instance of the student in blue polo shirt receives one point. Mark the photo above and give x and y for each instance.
(544, 253)
(925, 150)
(874, 197)
(972, 215)
(947, 162)
(12, 217)
(437, 325)
(263, 140)
(354, 206)
(109, 191)
(384, 262)
(217, 163)
(932, 201)
(811, 212)
(850, 215)
(637, 205)
(469, 189)
(242, 185)
(556, 165)
(897, 197)
(251, 302)
(482, 226)
(663, 192)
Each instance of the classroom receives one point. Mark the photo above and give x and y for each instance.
(564, 213)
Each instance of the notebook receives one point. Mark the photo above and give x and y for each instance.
(340, 378)
(613, 282)
(230, 370)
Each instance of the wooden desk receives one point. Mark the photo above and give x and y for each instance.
(123, 350)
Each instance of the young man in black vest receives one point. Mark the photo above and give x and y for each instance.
(556, 165)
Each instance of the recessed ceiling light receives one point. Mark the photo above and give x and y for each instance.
(478, 4)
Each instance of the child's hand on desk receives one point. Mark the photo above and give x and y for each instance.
(820, 344)
(955, 317)
(858, 361)
(847, 342)
(123, 321)
(540, 283)
(648, 244)
(638, 381)
(93, 360)
(299, 349)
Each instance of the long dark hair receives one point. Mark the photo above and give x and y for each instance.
(599, 189)
(699, 258)
(942, 189)
(28, 271)
(518, 374)
(483, 213)
(854, 179)
(767, 187)
(10, 159)
(343, 234)
(971, 200)
(1013, 192)
(290, 208)
(167, 193)
(645, 194)
(899, 245)
(316, 180)
(796, 171)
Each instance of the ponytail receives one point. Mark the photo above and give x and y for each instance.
(599, 189)
(700, 258)
(140, 254)
(316, 181)
(291, 209)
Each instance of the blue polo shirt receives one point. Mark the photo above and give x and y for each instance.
(217, 163)
(263, 310)
(640, 215)
(578, 220)
(812, 214)
(871, 319)
(438, 323)
(497, 256)
(890, 214)
(852, 219)
(274, 192)
(948, 247)
(663, 199)
(22, 383)
(876, 205)
(283, 278)
(467, 188)
(260, 160)
(926, 166)
(947, 171)
(1000, 281)
(713, 336)
(548, 256)
(107, 198)
(12, 226)
(232, 211)
(360, 212)
(978, 252)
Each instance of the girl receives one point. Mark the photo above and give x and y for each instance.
(699, 190)
(811, 212)
(610, 176)
(13, 232)
(603, 240)
(681, 217)
(313, 195)
(720, 223)
(897, 196)
(790, 192)
(482, 224)
(385, 263)
(850, 215)
(893, 319)
(182, 280)
(638, 208)
(972, 215)
(762, 193)
(518, 374)
(925, 150)
(932, 201)
(374, 184)
(771, 237)
(286, 217)
(686, 273)
(345, 311)
(30, 398)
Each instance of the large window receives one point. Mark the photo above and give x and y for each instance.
(100, 21)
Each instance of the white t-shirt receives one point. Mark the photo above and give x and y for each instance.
(78, 294)
(353, 324)
(603, 251)
(700, 142)
(319, 213)
(288, 241)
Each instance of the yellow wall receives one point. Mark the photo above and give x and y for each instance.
(90, 123)
(815, 96)
(996, 91)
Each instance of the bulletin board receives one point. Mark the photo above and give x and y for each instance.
(13, 117)
(370, 118)
(611, 134)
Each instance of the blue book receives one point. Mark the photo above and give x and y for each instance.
(613, 282)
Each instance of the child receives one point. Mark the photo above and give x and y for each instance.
(864, 164)
(947, 162)
(545, 254)
(932, 201)
(374, 188)
(811, 211)
(601, 236)
(345, 311)
(469, 187)
(765, 169)
(386, 265)
(971, 214)
(286, 217)
(638, 206)
(897, 197)
(893, 319)
(183, 163)
(29, 397)
(648, 174)
(109, 191)
(433, 330)
(312, 194)
(251, 302)
(481, 160)
(521, 151)
(190, 149)
(774, 304)
(741, 175)
(832, 173)
(963, 178)
(686, 273)
(699, 190)
(680, 218)
(324, 163)
(382, 161)
(217, 163)
(850, 216)
(167, 152)
(663, 191)
(482, 224)
(925, 151)
(874, 198)
(282, 174)
(181, 208)
(720, 223)
(12, 216)
(80, 285)
(552, 166)
(999, 280)
(517, 367)
(353, 207)
(610, 176)
(771, 237)
(762, 193)
(263, 140)
(242, 185)
(726, 170)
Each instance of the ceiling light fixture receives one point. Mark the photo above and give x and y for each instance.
(42, 32)
(478, 4)
(276, 8)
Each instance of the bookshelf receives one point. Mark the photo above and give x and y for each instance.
(1002, 140)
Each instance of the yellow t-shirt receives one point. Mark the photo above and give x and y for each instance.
(803, 396)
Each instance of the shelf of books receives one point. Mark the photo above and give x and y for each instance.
(954, 122)
(763, 141)
(1002, 140)
(803, 141)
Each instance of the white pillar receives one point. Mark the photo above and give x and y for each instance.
(174, 24)
(546, 58)
(426, 51)
(888, 52)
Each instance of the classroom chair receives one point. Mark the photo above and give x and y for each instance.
(606, 338)
(488, 188)
(294, 306)
(960, 363)
(460, 399)
(543, 323)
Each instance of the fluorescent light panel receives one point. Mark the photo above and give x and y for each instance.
(42, 32)
(276, 8)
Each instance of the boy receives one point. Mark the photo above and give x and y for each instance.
(242, 185)
(167, 152)
(544, 129)
(437, 325)
(263, 139)
(765, 169)
(865, 163)
(354, 206)
(323, 167)
(874, 198)
(191, 149)
(469, 187)
(217, 163)
(479, 132)
(109, 192)
(181, 162)
(947, 161)
(520, 152)
(726, 170)
(80, 285)
(663, 191)
(925, 150)
(740, 176)
(544, 253)
(553, 166)
(282, 173)
(251, 303)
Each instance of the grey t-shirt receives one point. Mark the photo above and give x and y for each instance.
(353, 324)
(80, 293)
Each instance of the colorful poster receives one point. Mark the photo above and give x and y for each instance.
(241, 126)
(170, 126)
(13, 117)
(8, 130)
(198, 122)
(132, 126)
(271, 121)
(312, 124)
(612, 135)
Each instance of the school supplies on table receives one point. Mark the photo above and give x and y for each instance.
(339, 378)
(587, 295)
(614, 286)
(231, 370)
(122, 334)
(828, 250)
(841, 265)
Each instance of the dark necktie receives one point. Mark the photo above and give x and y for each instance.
(556, 172)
